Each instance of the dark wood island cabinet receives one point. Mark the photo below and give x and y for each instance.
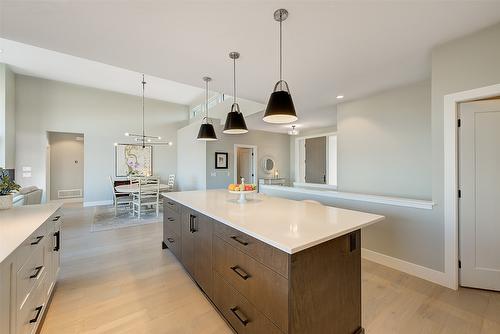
(259, 288)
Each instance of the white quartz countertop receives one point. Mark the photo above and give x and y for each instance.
(18, 223)
(289, 225)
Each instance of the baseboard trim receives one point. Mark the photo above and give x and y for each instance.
(97, 203)
(413, 269)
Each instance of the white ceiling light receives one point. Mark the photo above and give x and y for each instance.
(339, 97)
(293, 131)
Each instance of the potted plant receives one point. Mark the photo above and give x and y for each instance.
(7, 186)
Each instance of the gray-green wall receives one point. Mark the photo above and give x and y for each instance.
(268, 144)
(102, 116)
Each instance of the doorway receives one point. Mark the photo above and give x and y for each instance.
(479, 194)
(245, 163)
(66, 163)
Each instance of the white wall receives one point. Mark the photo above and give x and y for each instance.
(270, 144)
(66, 162)
(191, 159)
(384, 143)
(7, 118)
(102, 116)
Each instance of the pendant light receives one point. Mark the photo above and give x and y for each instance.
(207, 132)
(280, 108)
(235, 122)
(142, 138)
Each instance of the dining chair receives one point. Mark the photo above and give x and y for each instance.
(148, 196)
(118, 198)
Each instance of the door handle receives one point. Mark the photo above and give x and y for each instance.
(170, 240)
(238, 314)
(58, 241)
(38, 239)
(37, 272)
(240, 272)
(38, 311)
(170, 219)
(237, 239)
(192, 223)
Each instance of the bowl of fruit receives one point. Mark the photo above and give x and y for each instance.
(242, 189)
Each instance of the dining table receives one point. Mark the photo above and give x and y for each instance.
(134, 188)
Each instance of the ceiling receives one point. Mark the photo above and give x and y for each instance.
(352, 48)
(34, 61)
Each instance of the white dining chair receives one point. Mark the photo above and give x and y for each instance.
(148, 196)
(119, 199)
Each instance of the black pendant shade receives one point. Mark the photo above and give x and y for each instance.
(235, 122)
(206, 132)
(280, 108)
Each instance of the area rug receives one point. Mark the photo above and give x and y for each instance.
(105, 219)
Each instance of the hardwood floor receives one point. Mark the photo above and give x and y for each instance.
(121, 281)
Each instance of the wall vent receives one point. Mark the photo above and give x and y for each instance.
(70, 193)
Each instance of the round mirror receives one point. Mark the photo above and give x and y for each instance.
(268, 165)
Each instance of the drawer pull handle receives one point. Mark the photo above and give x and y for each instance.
(235, 238)
(56, 218)
(238, 314)
(58, 241)
(170, 219)
(171, 203)
(37, 272)
(170, 240)
(192, 223)
(38, 239)
(240, 272)
(38, 311)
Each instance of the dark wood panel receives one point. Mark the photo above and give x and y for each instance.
(172, 205)
(264, 253)
(241, 314)
(171, 218)
(187, 240)
(173, 242)
(325, 287)
(203, 253)
(264, 288)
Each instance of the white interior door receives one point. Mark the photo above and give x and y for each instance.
(245, 164)
(479, 184)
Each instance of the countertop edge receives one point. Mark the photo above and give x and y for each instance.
(43, 219)
(271, 242)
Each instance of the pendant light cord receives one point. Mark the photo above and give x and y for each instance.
(143, 133)
(234, 80)
(206, 101)
(281, 50)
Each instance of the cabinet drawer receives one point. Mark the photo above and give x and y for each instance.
(242, 315)
(168, 204)
(30, 315)
(172, 220)
(270, 256)
(24, 251)
(173, 242)
(264, 288)
(30, 274)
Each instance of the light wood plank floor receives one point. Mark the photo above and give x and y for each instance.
(120, 281)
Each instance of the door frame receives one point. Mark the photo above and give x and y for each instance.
(450, 117)
(235, 162)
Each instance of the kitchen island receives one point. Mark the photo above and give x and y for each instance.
(270, 265)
